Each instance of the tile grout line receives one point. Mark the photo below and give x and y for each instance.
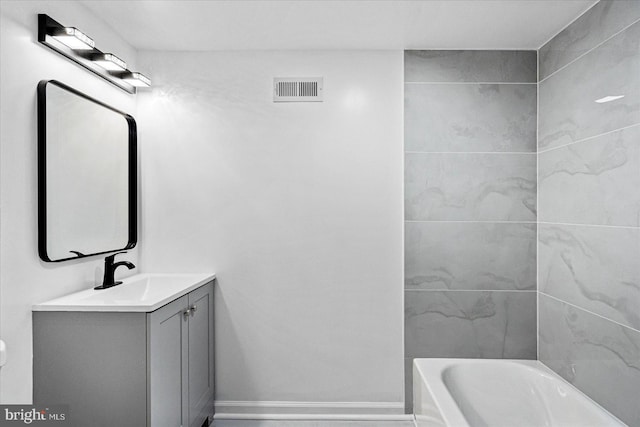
(404, 244)
(590, 50)
(470, 221)
(589, 311)
(470, 83)
(475, 49)
(470, 152)
(538, 204)
(526, 291)
(584, 140)
(623, 227)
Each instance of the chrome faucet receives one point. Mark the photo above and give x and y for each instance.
(110, 269)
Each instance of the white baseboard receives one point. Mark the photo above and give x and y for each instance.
(348, 411)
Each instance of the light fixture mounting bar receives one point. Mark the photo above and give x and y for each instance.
(47, 27)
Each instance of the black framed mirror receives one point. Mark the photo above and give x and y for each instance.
(87, 172)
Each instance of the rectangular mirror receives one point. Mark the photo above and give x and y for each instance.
(87, 159)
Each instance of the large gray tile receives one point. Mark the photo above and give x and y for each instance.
(482, 117)
(475, 324)
(597, 268)
(472, 256)
(567, 108)
(470, 66)
(475, 187)
(595, 26)
(598, 356)
(592, 182)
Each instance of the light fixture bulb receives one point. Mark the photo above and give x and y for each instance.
(73, 38)
(109, 62)
(609, 98)
(137, 79)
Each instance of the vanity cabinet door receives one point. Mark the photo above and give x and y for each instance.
(200, 355)
(168, 354)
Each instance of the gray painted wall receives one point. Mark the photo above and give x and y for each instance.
(470, 205)
(24, 279)
(298, 210)
(589, 206)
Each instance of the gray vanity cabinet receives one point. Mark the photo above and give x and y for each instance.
(128, 369)
(200, 337)
(168, 359)
(180, 360)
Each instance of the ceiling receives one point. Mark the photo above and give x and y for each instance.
(337, 24)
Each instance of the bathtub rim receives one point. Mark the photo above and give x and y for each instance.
(449, 411)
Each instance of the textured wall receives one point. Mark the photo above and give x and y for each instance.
(589, 206)
(470, 205)
(298, 209)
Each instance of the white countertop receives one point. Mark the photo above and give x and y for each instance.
(140, 293)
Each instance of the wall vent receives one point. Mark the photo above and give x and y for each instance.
(287, 89)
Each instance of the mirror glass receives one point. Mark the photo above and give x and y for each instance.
(87, 175)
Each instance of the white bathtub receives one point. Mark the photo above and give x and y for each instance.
(499, 393)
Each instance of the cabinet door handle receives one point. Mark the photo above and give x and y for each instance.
(193, 309)
(186, 313)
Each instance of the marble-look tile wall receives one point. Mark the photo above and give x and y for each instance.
(589, 206)
(470, 205)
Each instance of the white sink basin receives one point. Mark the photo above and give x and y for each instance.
(139, 293)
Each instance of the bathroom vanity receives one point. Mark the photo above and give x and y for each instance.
(138, 354)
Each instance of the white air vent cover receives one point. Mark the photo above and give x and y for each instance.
(288, 89)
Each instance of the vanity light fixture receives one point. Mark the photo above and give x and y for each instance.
(81, 49)
(136, 79)
(609, 98)
(109, 61)
(73, 38)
